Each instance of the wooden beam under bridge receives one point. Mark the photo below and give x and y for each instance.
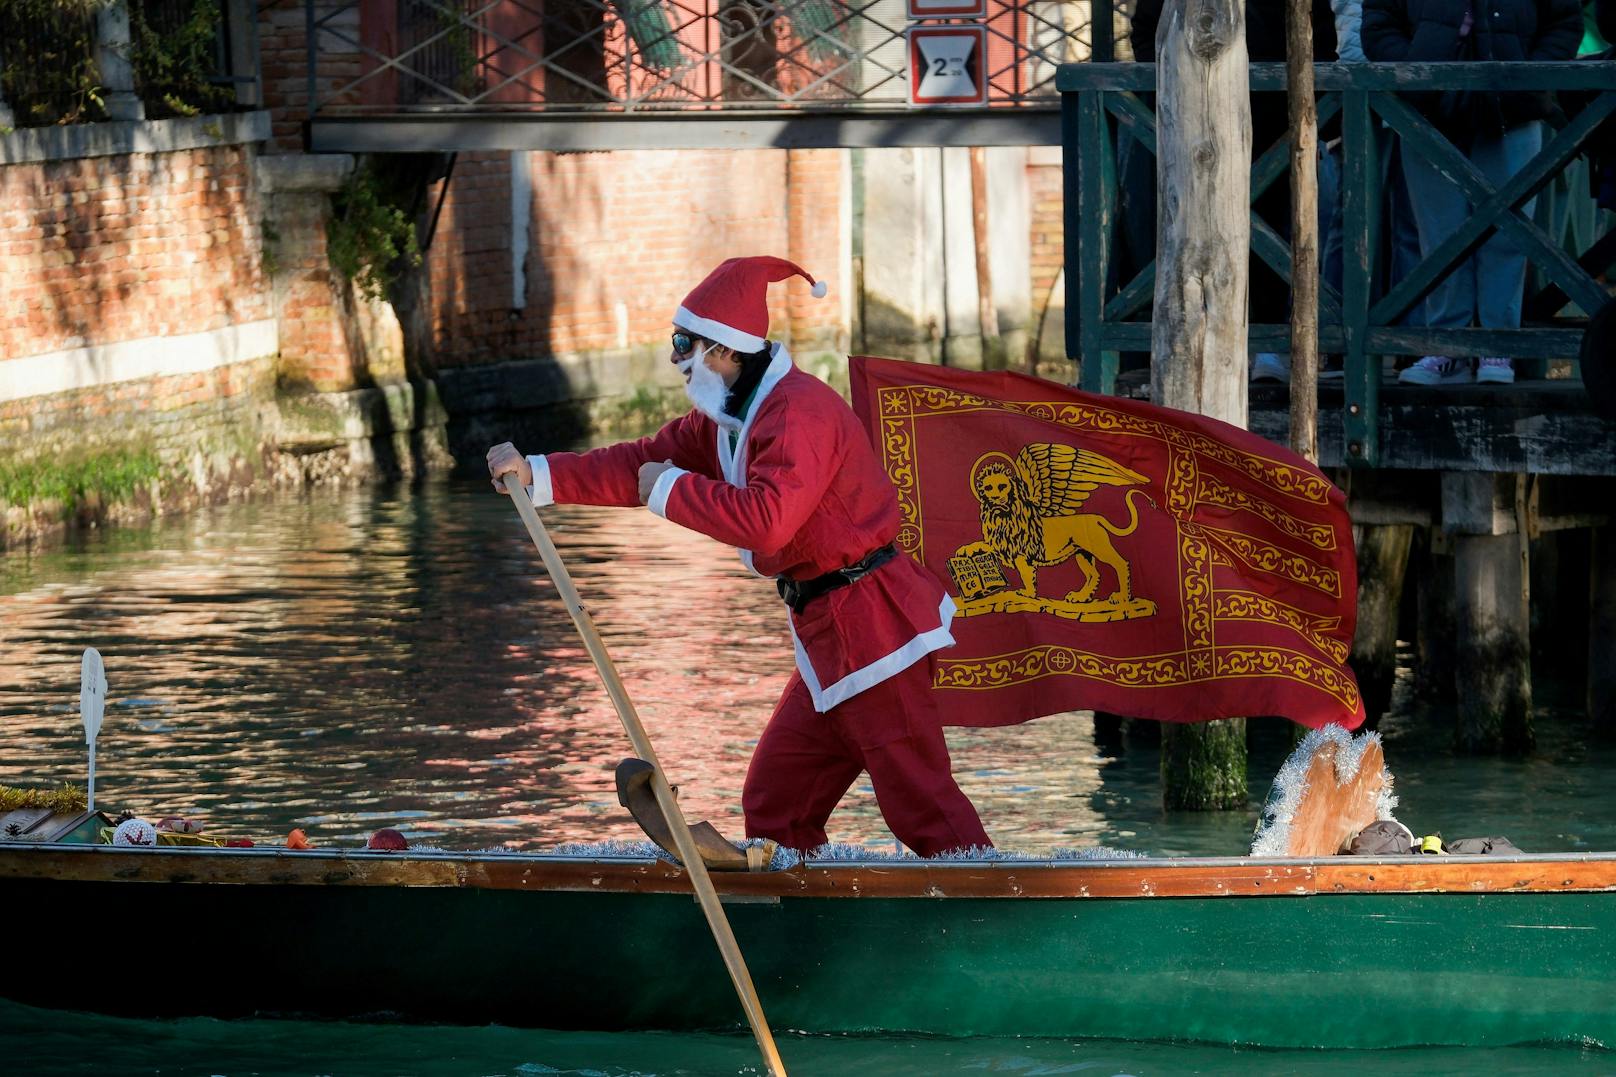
(776, 129)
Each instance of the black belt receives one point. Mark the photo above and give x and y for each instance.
(798, 593)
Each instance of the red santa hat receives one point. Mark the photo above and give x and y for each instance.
(731, 306)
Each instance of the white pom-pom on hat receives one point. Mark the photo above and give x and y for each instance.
(819, 289)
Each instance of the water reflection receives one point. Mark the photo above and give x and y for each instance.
(345, 661)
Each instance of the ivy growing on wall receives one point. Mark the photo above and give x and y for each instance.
(47, 53)
(371, 238)
(173, 48)
(48, 69)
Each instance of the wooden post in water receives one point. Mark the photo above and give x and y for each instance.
(1602, 632)
(1382, 561)
(1198, 332)
(1493, 666)
(1108, 732)
(1436, 651)
(1203, 227)
(1304, 123)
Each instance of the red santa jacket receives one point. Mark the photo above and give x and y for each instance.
(800, 495)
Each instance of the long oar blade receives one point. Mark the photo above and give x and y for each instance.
(92, 705)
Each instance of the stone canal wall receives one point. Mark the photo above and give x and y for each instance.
(166, 310)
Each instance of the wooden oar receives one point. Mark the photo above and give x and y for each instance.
(689, 854)
(92, 703)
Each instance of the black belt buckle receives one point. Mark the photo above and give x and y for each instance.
(868, 563)
(798, 593)
(791, 593)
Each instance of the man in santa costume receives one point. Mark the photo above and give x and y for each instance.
(772, 461)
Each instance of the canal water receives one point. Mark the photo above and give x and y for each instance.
(348, 660)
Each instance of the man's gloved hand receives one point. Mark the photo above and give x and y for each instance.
(649, 474)
(503, 458)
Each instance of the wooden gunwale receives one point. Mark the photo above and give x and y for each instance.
(1202, 877)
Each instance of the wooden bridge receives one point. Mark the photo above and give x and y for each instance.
(1473, 473)
(453, 75)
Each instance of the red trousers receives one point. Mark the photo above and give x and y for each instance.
(805, 761)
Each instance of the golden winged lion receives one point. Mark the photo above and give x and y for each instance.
(1030, 518)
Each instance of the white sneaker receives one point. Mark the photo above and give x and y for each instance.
(1495, 371)
(1436, 370)
(1268, 366)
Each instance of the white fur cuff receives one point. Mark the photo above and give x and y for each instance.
(664, 486)
(540, 493)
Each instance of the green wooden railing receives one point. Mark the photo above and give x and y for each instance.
(1100, 103)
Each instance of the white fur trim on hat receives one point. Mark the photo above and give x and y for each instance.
(718, 332)
(819, 289)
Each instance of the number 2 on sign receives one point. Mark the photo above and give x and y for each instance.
(951, 66)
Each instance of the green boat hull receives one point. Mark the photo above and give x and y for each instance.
(1281, 968)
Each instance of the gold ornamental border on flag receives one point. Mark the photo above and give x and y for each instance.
(1200, 546)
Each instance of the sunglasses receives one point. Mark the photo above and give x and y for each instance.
(683, 343)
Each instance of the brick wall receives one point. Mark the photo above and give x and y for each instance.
(283, 49)
(469, 265)
(616, 241)
(108, 249)
(314, 344)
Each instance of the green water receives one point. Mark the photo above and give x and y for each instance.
(351, 660)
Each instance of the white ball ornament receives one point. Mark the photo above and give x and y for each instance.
(136, 832)
(820, 289)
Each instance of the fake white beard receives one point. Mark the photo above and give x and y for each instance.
(707, 391)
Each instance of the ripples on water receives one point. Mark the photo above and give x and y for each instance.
(352, 660)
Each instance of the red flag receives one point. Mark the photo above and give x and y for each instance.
(1108, 554)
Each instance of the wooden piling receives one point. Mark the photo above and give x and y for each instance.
(1304, 126)
(1203, 182)
(1602, 632)
(1486, 514)
(1203, 766)
(1198, 333)
(1560, 591)
(1494, 652)
(1383, 553)
(1436, 634)
(1544, 586)
(1108, 732)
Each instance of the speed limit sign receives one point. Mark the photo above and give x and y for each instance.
(947, 65)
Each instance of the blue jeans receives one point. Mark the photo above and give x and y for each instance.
(1485, 289)
(1330, 218)
(1398, 218)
